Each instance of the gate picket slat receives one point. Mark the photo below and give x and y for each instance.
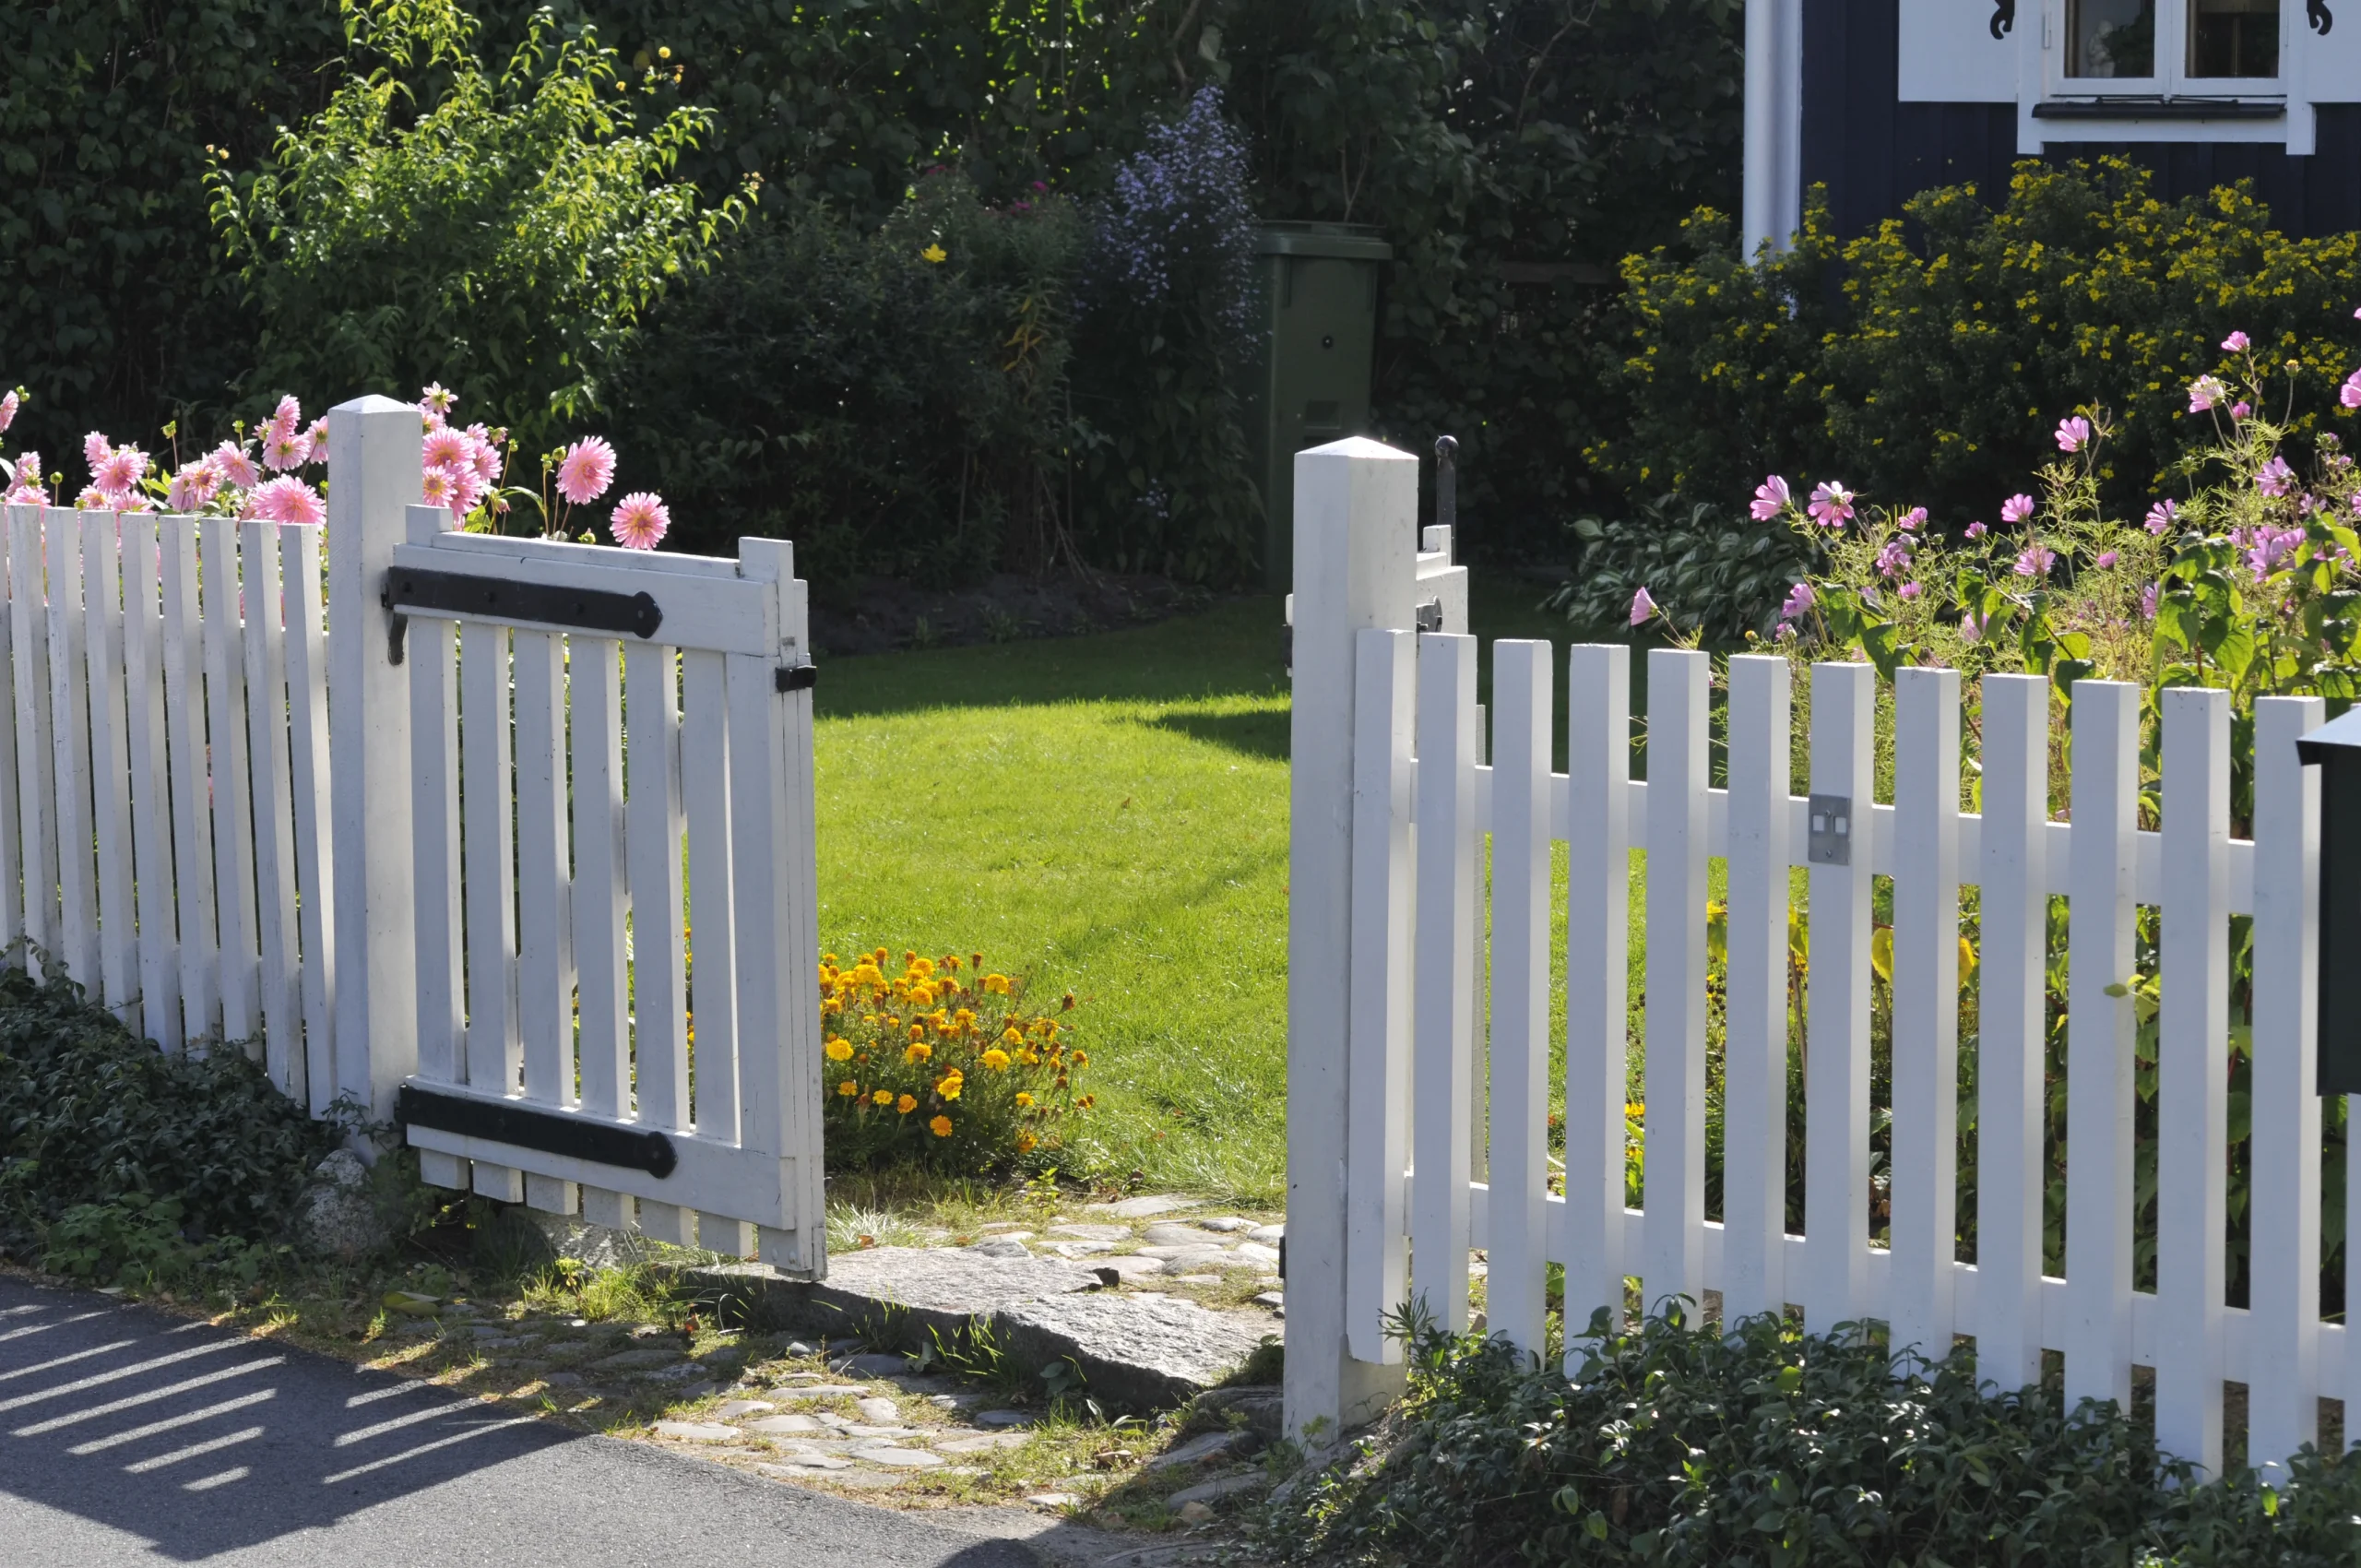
(69, 714)
(2098, 1051)
(713, 934)
(431, 653)
(653, 827)
(1517, 1240)
(1925, 1162)
(307, 763)
(1837, 1080)
(798, 879)
(186, 770)
(2192, 1098)
(1754, 1130)
(544, 945)
(602, 902)
(2283, 1372)
(233, 801)
(109, 764)
(1673, 1156)
(2013, 913)
(1378, 1013)
(1442, 1081)
(495, 1051)
(274, 822)
(758, 830)
(1599, 903)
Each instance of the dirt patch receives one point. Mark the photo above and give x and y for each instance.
(885, 615)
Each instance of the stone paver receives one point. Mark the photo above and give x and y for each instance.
(1269, 1235)
(1129, 1264)
(898, 1459)
(1092, 1232)
(1142, 1207)
(697, 1432)
(1006, 1418)
(879, 1409)
(1225, 1223)
(1170, 1233)
(1219, 1487)
(737, 1407)
(1197, 1450)
(785, 1426)
(983, 1442)
(821, 1391)
(1258, 1252)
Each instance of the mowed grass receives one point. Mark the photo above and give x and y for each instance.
(1105, 814)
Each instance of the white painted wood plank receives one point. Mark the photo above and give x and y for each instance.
(769, 1068)
(36, 759)
(1599, 903)
(1925, 1163)
(1521, 679)
(2283, 1363)
(712, 938)
(279, 973)
(494, 1050)
(2099, 1064)
(151, 803)
(1836, 1093)
(1377, 1039)
(2192, 1098)
(1479, 944)
(2011, 1022)
(1754, 1093)
(191, 782)
(234, 848)
(307, 765)
(804, 1249)
(654, 823)
(1673, 1163)
(601, 897)
(430, 654)
(69, 710)
(544, 945)
(497, 548)
(110, 765)
(1441, 1085)
(722, 616)
(12, 842)
(708, 1173)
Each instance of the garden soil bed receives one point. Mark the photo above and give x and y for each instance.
(886, 615)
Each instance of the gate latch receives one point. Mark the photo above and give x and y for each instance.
(1832, 830)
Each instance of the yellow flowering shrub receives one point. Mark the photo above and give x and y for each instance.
(938, 1062)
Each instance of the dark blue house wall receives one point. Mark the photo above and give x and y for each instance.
(1874, 152)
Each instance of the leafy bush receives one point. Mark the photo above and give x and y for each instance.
(1718, 576)
(927, 1068)
(90, 1114)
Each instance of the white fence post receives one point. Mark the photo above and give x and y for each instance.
(1355, 506)
(373, 474)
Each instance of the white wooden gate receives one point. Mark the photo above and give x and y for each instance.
(1408, 836)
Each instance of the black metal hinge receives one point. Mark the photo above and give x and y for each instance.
(795, 677)
(524, 1126)
(416, 589)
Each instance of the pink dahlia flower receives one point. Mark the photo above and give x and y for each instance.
(123, 469)
(8, 406)
(641, 521)
(288, 417)
(192, 487)
(24, 482)
(587, 470)
(237, 470)
(485, 454)
(288, 500)
(95, 447)
(439, 486)
(285, 447)
(1770, 498)
(446, 449)
(435, 404)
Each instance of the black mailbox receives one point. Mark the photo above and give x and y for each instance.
(2336, 748)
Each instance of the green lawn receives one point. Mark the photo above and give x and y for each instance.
(1105, 814)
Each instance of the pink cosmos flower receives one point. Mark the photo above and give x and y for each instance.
(641, 521)
(2205, 392)
(2235, 343)
(2350, 393)
(2035, 561)
(1972, 626)
(8, 410)
(1976, 530)
(1799, 599)
(2161, 515)
(589, 468)
(237, 470)
(2241, 408)
(1910, 591)
(123, 469)
(287, 500)
(2276, 478)
(2073, 434)
(2106, 558)
(1895, 558)
(1913, 519)
(95, 447)
(2016, 508)
(1771, 496)
(2148, 602)
(1832, 505)
(446, 447)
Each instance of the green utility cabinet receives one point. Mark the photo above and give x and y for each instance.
(1315, 334)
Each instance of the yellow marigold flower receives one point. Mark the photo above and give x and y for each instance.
(839, 1049)
(935, 253)
(1030, 1057)
(964, 1016)
(940, 1126)
(1023, 1099)
(866, 973)
(917, 1051)
(906, 1104)
(996, 1060)
(883, 1097)
(923, 966)
(1081, 1059)
(918, 1031)
(1011, 1037)
(949, 1085)
(922, 993)
(828, 959)
(848, 1088)
(1024, 1143)
(997, 984)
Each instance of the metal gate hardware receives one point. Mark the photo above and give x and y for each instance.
(498, 599)
(1430, 615)
(796, 677)
(1832, 830)
(524, 1126)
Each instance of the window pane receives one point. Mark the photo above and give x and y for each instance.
(2233, 38)
(2111, 38)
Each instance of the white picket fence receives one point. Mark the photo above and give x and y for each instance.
(1408, 835)
(204, 799)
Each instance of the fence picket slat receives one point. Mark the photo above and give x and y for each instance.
(430, 654)
(712, 937)
(1516, 1240)
(151, 803)
(796, 879)
(1837, 1083)
(280, 976)
(36, 764)
(1673, 1156)
(2013, 911)
(234, 848)
(12, 886)
(2099, 1049)
(69, 717)
(1378, 1009)
(1442, 1069)
(544, 944)
(109, 764)
(1598, 904)
(1754, 1126)
(758, 833)
(494, 1050)
(2193, 1092)
(307, 765)
(1925, 1162)
(188, 776)
(602, 902)
(653, 827)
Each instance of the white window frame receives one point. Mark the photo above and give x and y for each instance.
(2168, 107)
(2173, 82)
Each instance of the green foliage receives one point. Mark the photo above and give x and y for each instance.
(1960, 334)
(499, 233)
(1711, 573)
(107, 1143)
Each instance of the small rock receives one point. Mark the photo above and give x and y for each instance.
(1219, 1487)
(1082, 1249)
(1258, 1252)
(1142, 1207)
(872, 1481)
(878, 1409)
(1131, 1264)
(957, 1401)
(1053, 1499)
(873, 1364)
(1269, 1235)
(1002, 1247)
(1195, 1513)
(337, 1215)
(821, 1391)
(1092, 1233)
(1170, 1233)
(563, 1379)
(873, 1434)
(900, 1458)
(796, 1348)
(1225, 1223)
(804, 1470)
(1189, 1260)
(696, 1432)
(737, 1407)
(647, 1331)
(984, 1443)
(808, 1459)
(1006, 1418)
(639, 1361)
(1197, 1450)
(1272, 1299)
(784, 1426)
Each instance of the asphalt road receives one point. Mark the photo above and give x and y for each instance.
(129, 1437)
